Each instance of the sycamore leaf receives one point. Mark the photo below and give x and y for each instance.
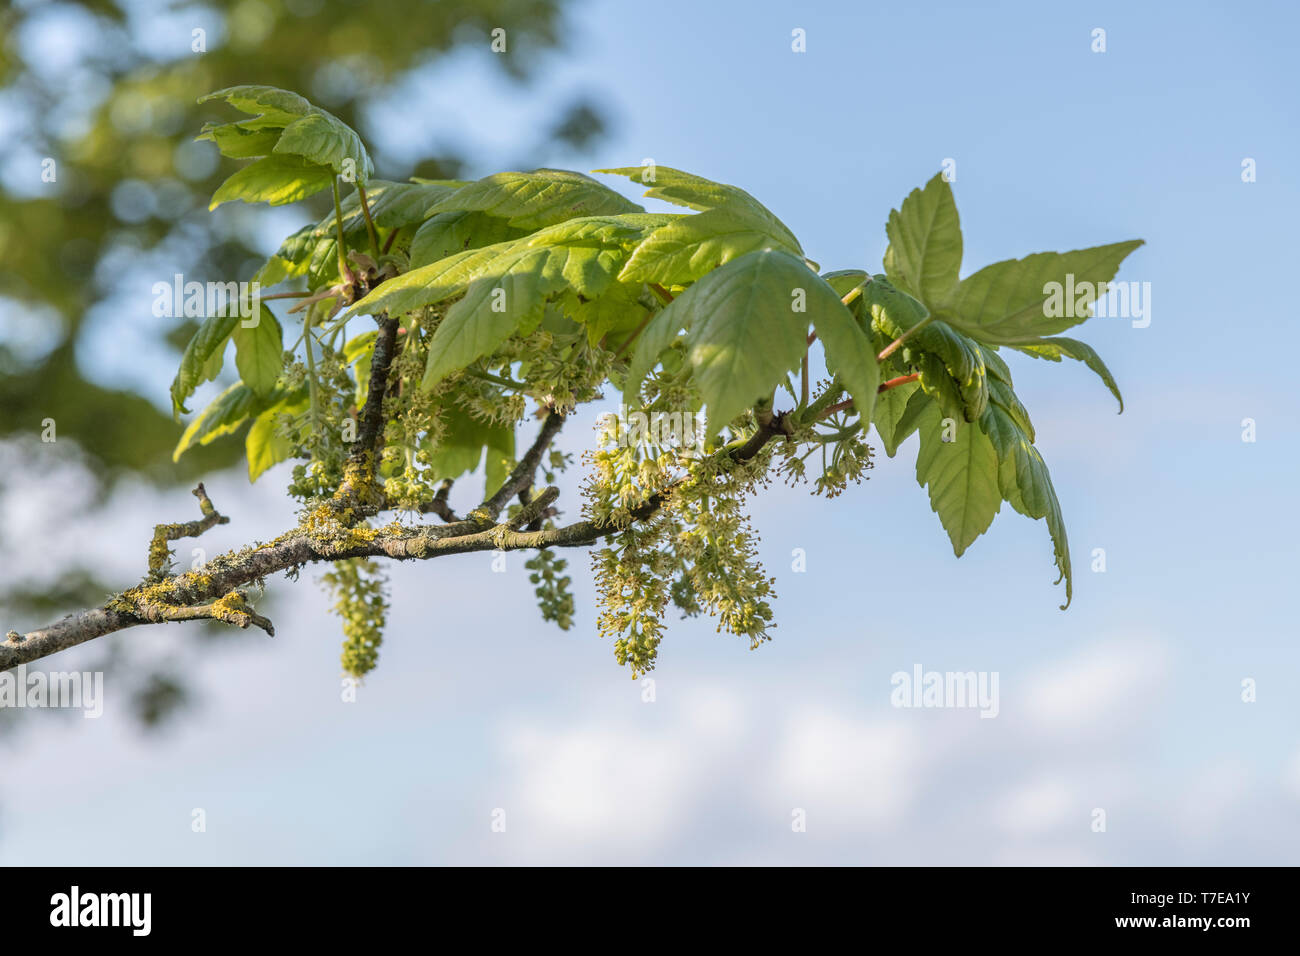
(539, 198)
(393, 205)
(264, 446)
(951, 364)
(224, 415)
(939, 385)
(276, 180)
(464, 443)
(291, 260)
(511, 289)
(447, 233)
(994, 364)
(844, 281)
(239, 141)
(730, 224)
(358, 351)
(312, 250)
(1024, 482)
(498, 458)
(615, 312)
(890, 309)
(324, 139)
(696, 192)
(897, 414)
(924, 254)
(850, 355)
(961, 476)
(492, 309)
(310, 147)
(229, 410)
(690, 246)
(270, 105)
(1053, 348)
(1002, 395)
(428, 285)
(448, 277)
(201, 361)
(660, 332)
(317, 136)
(744, 334)
(1015, 300)
(259, 352)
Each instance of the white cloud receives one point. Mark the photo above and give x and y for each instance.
(1037, 806)
(1090, 690)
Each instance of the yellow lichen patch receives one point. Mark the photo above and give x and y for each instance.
(331, 532)
(160, 556)
(232, 608)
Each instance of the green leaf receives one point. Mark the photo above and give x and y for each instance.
(687, 248)
(844, 281)
(1016, 300)
(464, 443)
(324, 139)
(615, 312)
(512, 288)
(659, 333)
(897, 414)
(924, 254)
(539, 198)
(850, 355)
(696, 192)
(239, 141)
(890, 309)
(427, 285)
(259, 352)
(229, 410)
(1002, 395)
(962, 478)
(271, 105)
(933, 346)
(743, 333)
(361, 350)
(223, 416)
(276, 180)
(937, 383)
(264, 446)
(197, 363)
(730, 224)
(1053, 348)
(318, 137)
(448, 233)
(1025, 484)
(994, 363)
(393, 205)
(606, 240)
(498, 458)
(358, 345)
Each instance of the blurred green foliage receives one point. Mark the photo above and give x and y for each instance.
(108, 90)
(119, 123)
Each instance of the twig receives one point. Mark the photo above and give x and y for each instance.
(160, 554)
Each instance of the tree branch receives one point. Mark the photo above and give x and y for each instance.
(216, 590)
(521, 479)
(160, 555)
(356, 489)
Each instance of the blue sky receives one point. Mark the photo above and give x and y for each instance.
(1129, 701)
